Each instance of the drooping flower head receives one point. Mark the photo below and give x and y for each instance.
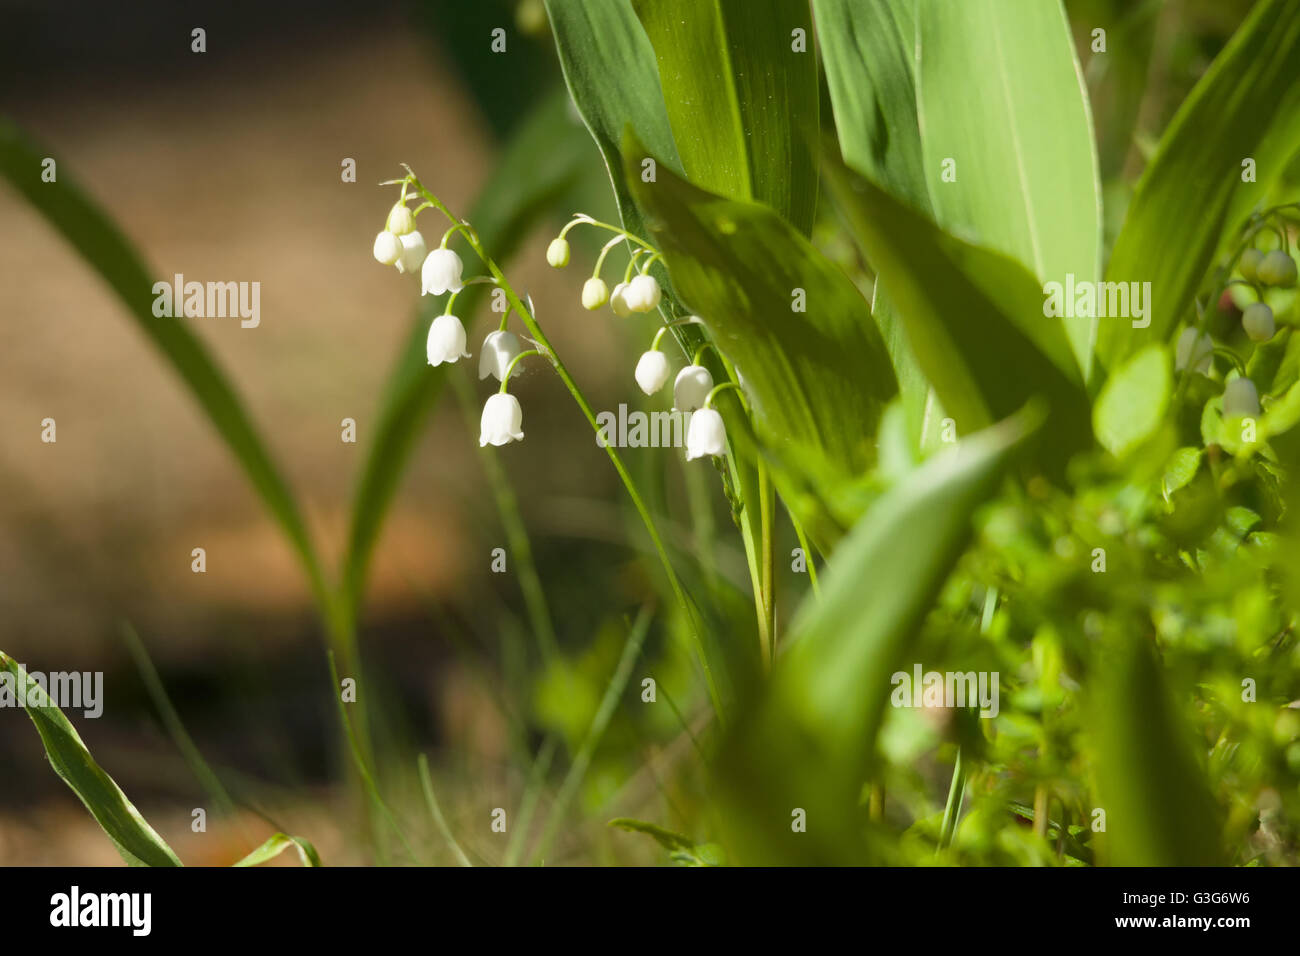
(618, 300)
(1240, 399)
(502, 420)
(594, 293)
(691, 388)
(498, 351)
(441, 272)
(413, 253)
(400, 220)
(557, 253)
(652, 371)
(706, 435)
(446, 342)
(642, 294)
(388, 248)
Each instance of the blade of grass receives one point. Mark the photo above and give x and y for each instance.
(139, 843)
(426, 783)
(172, 722)
(604, 713)
(528, 806)
(276, 845)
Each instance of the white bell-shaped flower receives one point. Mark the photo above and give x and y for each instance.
(557, 253)
(618, 300)
(1240, 399)
(1194, 351)
(594, 293)
(413, 253)
(502, 420)
(642, 294)
(441, 272)
(388, 248)
(498, 351)
(652, 371)
(706, 435)
(691, 388)
(446, 342)
(400, 220)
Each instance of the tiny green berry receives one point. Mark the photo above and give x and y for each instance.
(1258, 322)
(557, 253)
(1278, 269)
(1249, 264)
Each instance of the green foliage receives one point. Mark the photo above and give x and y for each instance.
(742, 100)
(1167, 240)
(139, 843)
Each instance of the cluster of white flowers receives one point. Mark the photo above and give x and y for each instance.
(639, 292)
(441, 272)
(401, 245)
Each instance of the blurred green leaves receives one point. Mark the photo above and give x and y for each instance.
(1176, 220)
(1132, 403)
(808, 738)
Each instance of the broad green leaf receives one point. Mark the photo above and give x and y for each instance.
(817, 379)
(869, 51)
(1182, 467)
(810, 738)
(276, 845)
(999, 93)
(89, 230)
(974, 318)
(1159, 811)
(1132, 403)
(610, 68)
(139, 843)
(742, 101)
(1177, 217)
(542, 160)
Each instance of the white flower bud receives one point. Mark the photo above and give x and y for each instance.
(388, 248)
(691, 388)
(652, 371)
(1194, 352)
(502, 420)
(498, 351)
(400, 220)
(446, 342)
(594, 293)
(1258, 322)
(706, 435)
(618, 300)
(557, 253)
(1240, 399)
(642, 294)
(441, 272)
(413, 253)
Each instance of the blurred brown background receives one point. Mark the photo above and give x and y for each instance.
(226, 166)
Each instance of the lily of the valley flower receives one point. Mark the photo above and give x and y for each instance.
(413, 252)
(557, 253)
(441, 272)
(388, 248)
(642, 294)
(446, 342)
(1194, 351)
(1240, 399)
(706, 435)
(691, 388)
(502, 420)
(594, 293)
(618, 300)
(499, 350)
(400, 220)
(652, 371)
